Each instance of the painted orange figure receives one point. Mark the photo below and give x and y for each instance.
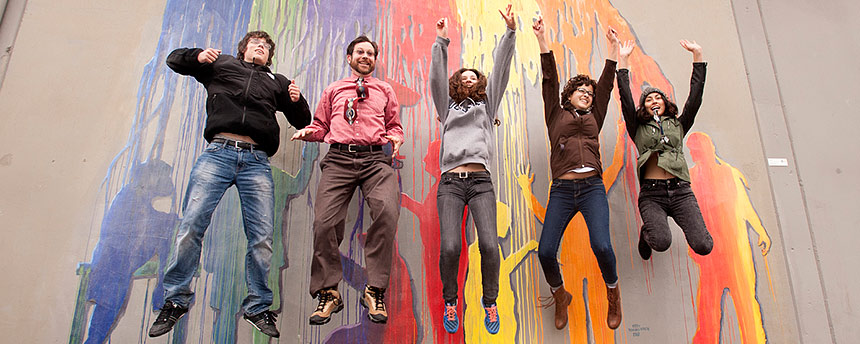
(578, 263)
(728, 214)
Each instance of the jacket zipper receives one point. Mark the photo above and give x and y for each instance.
(581, 142)
(245, 96)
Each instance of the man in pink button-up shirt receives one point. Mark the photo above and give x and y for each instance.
(356, 115)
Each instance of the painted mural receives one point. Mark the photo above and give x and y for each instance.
(136, 229)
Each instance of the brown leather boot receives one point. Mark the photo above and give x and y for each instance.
(613, 316)
(562, 299)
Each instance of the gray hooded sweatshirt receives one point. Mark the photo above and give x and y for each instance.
(467, 126)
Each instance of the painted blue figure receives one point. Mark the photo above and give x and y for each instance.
(185, 21)
(225, 248)
(243, 132)
(132, 233)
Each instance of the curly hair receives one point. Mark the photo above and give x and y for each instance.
(571, 86)
(642, 114)
(458, 92)
(243, 44)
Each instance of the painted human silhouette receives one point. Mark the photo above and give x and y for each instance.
(473, 319)
(428, 218)
(132, 233)
(729, 269)
(401, 326)
(225, 248)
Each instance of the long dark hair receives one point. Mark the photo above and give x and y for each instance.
(458, 92)
(642, 114)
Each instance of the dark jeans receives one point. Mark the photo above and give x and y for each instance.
(672, 197)
(342, 172)
(455, 192)
(566, 198)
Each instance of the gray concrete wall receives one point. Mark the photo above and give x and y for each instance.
(91, 112)
(802, 79)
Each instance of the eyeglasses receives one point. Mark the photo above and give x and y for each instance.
(586, 91)
(360, 94)
(259, 41)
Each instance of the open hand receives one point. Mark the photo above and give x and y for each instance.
(302, 133)
(396, 141)
(691, 46)
(626, 49)
(694, 48)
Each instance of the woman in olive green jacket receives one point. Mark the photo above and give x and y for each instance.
(658, 132)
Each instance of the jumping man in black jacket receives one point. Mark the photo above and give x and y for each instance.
(242, 131)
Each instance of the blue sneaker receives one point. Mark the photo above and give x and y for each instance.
(491, 321)
(450, 319)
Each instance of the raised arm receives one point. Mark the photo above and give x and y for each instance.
(607, 79)
(438, 70)
(540, 31)
(697, 85)
(628, 107)
(498, 80)
(549, 83)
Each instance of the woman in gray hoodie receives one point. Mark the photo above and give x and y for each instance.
(467, 105)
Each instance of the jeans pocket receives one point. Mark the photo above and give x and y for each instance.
(261, 155)
(594, 181)
(483, 184)
(213, 147)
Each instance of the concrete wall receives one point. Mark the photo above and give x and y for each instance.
(99, 137)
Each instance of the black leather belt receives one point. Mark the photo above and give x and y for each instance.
(233, 143)
(672, 182)
(464, 175)
(356, 148)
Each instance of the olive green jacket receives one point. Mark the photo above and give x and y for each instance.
(649, 135)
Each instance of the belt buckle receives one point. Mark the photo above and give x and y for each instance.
(236, 144)
(350, 149)
(463, 175)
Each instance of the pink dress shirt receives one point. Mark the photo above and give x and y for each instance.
(377, 116)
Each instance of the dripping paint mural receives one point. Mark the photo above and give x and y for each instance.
(728, 270)
(145, 184)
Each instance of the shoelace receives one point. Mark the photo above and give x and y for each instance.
(378, 298)
(270, 317)
(546, 301)
(166, 312)
(492, 313)
(451, 312)
(324, 299)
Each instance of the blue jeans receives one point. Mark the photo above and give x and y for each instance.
(474, 189)
(219, 167)
(566, 198)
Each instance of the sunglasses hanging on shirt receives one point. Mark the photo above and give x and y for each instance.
(663, 137)
(360, 94)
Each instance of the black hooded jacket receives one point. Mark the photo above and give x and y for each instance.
(242, 97)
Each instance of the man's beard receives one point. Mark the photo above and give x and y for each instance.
(354, 65)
